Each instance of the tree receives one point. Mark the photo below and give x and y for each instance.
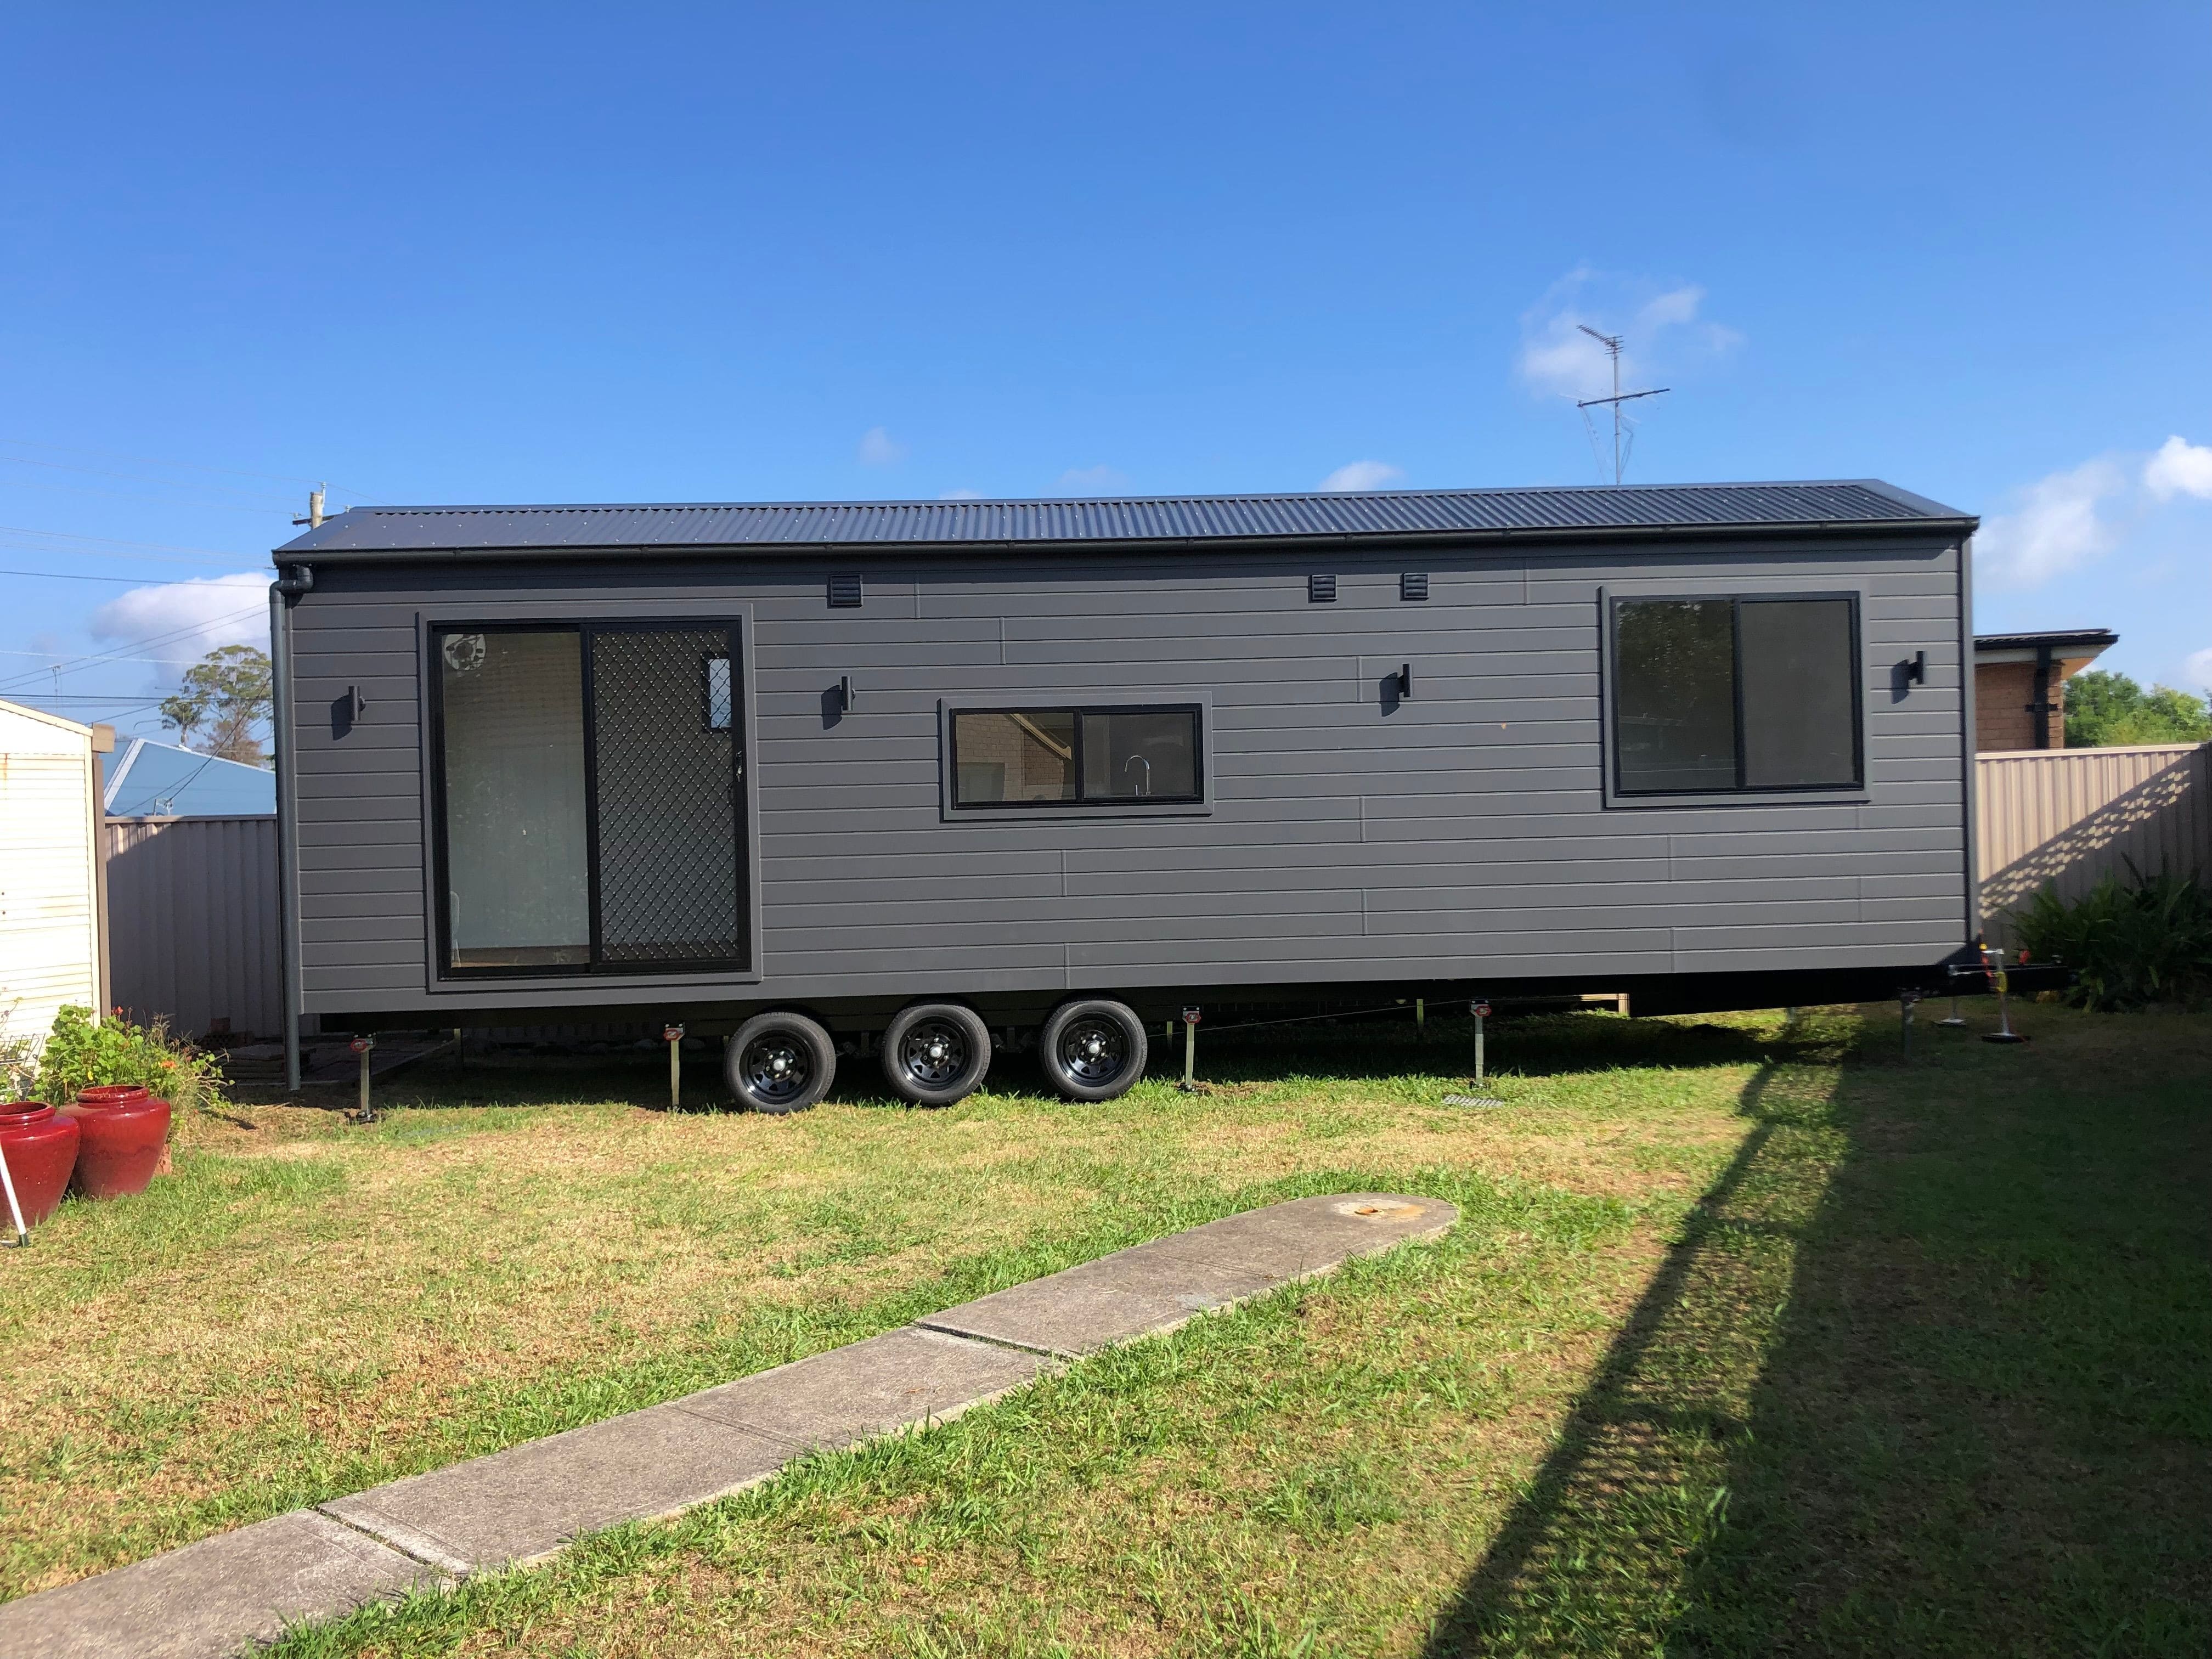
(2104, 710)
(225, 694)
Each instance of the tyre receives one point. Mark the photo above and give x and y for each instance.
(780, 1062)
(936, 1052)
(1094, 1050)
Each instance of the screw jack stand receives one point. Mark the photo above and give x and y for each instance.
(1954, 1022)
(2004, 1033)
(361, 1045)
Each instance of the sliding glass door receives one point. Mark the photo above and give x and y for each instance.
(590, 810)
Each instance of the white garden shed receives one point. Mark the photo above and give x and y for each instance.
(51, 934)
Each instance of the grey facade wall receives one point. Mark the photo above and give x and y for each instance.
(1462, 834)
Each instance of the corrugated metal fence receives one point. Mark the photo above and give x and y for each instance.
(192, 923)
(2070, 816)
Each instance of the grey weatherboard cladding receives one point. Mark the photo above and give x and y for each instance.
(1462, 833)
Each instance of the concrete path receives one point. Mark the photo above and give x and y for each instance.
(221, 1596)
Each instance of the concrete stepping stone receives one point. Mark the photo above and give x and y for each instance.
(212, 1599)
(526, 1503)
(902, 1379)
(215, 1598)
(1156, 1286)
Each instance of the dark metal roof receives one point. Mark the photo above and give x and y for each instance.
(400, 532)
(2093, 638)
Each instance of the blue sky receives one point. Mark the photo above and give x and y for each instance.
(839, 250)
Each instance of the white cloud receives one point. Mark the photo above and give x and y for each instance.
(1659, 329)
(2059, 525)
(879, 448)
(1362, 475)
(962, 496)
(2198, 670)
(190, 618)
(1100, 480)
(2179, 468)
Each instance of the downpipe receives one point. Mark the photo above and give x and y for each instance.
(292, 581)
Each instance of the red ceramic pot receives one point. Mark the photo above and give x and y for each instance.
(122, 1139)
(41, 1145)
(111, 1094)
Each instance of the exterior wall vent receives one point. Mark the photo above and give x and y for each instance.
(1321, 589)
(1413, 585)
(845, 592)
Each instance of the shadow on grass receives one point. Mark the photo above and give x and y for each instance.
(1545, 1045)
(1924, 1373)
(1537, 1045)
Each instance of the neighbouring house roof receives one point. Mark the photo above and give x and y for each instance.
(58, 723)
(149, 780)
(400, 532)
(2069, 641)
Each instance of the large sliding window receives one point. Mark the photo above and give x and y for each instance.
(1747, 694)
(590, 807)
(1076, 757)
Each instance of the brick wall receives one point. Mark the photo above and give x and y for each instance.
(2002, 692)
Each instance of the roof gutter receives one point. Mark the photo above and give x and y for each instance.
(1284, 542)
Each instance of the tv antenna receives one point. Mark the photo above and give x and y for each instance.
(1612, 344)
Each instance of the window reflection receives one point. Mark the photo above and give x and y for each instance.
(1037, 757)
(1014, 757)
(516, 849)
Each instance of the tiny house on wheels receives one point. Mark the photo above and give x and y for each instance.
(910, 782)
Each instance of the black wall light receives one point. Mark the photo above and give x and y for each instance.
(1405, 681)
(845, 694)
(1915, 668)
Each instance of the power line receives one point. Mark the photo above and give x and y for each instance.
(71, 664)
(188, 466)
(37, 698)
(116, 541)
(68, 576)
(128, 496)
(101, 472)
(158, 662)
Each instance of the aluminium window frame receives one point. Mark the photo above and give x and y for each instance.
(1197, 704)
(736, 632)
(1613, 596)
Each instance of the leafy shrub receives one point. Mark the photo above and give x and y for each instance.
(2145, 940)
(79, 1054)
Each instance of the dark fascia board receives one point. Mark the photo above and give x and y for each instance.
(2101, 639)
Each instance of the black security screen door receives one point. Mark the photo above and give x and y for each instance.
(590, 798)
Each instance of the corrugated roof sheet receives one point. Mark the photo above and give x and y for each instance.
(1596, 508)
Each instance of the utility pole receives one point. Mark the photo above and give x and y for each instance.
(315, 518)
(1612, 344)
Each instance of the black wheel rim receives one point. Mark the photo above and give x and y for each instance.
(775, 1067)
(933, 1053)
(1094, 1051)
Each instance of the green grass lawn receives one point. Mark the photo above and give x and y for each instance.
(1747, 1342)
